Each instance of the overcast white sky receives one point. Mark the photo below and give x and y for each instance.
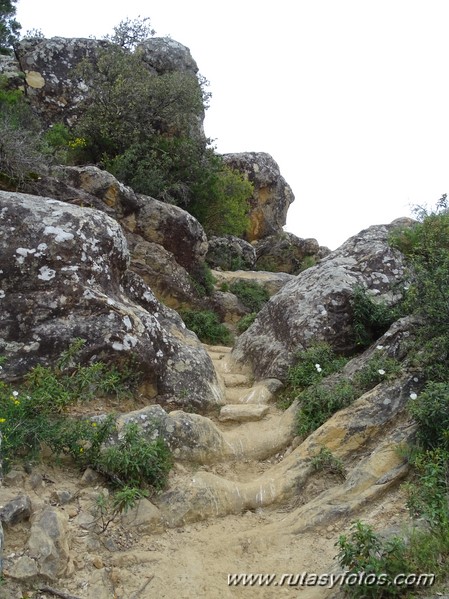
(350, 97)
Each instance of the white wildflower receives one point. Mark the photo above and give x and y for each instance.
(413, 396)
(15, 393)
(380, 347)
(381, 371)
(318, 368)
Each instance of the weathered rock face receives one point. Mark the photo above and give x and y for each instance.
(64, 275)
(164, 55)
(285, 252)
(316, 305)
(272, 195)
(169, 281)
(173, 228)
(49, 66)
(230, 253)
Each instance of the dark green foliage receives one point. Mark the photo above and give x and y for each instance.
(251, 294)
(202, 279)
(246, 321)
(370, 319)
(319, 402)
(313, 364)
(9, 27)
(365, 552)
(430, 410)
(135, 461)
(207, 326)
(379, 368)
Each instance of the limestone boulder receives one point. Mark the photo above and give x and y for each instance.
(165, 55)
(171, 227)
(120, 199)
(272, 195)
(49, 65)
(169, 281)
(65, 275)
(285, 252)
(316, 305)
(230, 253)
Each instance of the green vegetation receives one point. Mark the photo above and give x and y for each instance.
(251, 294)
(319, 398)
(426, 548)
(371, 319)
(207, 326)
(246, 321)
(108, 507)
(36, 413)
(9, 27)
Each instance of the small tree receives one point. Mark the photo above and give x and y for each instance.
(130, 32)
(9, 27)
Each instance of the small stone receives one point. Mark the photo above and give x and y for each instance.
(36, 481)
(16, 510)
(89, 478)
(97, 562)
(72, 512)
(13, 477)
(24, 568)
(61, 497)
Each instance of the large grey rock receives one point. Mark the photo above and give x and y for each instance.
(16, 510)
(173, 228)
(65, 275)
(272, 195)
(49, 66)
(165, 55)
(230, 253)
(285, 252)
(49, 544)
(316, 305)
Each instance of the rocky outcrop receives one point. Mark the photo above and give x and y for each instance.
(49, 65)
(65, 275)
(316, 305)
(285, 252)
(165, 55)
(230, 253)
(272, 195)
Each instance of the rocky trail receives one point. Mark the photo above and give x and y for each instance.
(255, 507)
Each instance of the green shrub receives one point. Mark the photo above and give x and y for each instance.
(326, 462)
(246, 321)
(207, 326)
(430, 410)
(251, 294)
(370, 319)
(34, 413)
(202, 279)
(378, 369)
(363, 551)
(136, 462)
(313, 364)
(319, 402)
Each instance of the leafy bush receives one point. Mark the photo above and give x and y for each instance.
(207, 326)
(202, 279)
(365, 552)
(251, 294)
(34, 413)
(430, 410)
(136, 462)
(313, 364)
(370, 319)
(319, 402)
(246, 321)
(378, 369)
